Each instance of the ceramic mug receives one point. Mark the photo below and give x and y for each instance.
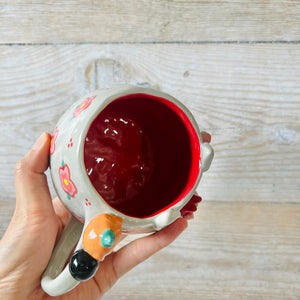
(123, 160)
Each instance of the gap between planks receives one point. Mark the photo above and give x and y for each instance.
(242, 42)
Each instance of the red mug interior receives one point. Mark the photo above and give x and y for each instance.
(142, 154)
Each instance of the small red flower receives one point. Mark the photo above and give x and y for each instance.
(83, 106)
(66, 182)
(53, 140)
(71, 143)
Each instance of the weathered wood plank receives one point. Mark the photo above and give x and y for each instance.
(229, 251)
(246, 96)
(148, 21)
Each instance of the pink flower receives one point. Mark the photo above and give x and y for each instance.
(66, 182)
(83, 106)
(53, 139)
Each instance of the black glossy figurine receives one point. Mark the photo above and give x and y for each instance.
(83, 266)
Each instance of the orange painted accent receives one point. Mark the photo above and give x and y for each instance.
(92, 234)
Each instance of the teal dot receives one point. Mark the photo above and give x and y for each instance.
(107, 238)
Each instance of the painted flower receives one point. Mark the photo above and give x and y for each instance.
(66, 182)
(53, 140)
(83, 106)
(188, 210)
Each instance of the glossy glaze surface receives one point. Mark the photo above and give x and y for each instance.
(138, 155)
(83, 266)
(119, 158)
(101, 235)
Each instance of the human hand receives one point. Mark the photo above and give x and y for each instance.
(37, 224)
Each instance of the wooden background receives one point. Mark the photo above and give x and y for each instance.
(236, 65)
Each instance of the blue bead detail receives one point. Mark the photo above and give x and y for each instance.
(107, 238)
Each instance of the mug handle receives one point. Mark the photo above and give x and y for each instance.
(97, 238)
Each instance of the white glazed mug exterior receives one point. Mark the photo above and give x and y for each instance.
(78, 194)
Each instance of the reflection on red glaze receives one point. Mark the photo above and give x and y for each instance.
(118, 158)
(142, 154)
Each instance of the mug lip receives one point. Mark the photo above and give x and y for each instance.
(118, 92)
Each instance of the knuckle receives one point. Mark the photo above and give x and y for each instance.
(20, 167)
(137, 252)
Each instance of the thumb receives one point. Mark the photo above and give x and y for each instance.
(32, 192)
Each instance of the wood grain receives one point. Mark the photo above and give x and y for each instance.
(236, 65)
(229, 251)
(148, 21)
(246, 96)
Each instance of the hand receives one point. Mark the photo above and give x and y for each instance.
(37, 223)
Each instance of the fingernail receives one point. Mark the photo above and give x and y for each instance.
(39, 142)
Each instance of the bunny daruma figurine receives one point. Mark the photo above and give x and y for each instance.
(123, 160)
